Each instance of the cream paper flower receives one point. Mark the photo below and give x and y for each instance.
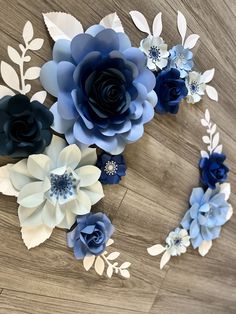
(54, 188)
(196, 87)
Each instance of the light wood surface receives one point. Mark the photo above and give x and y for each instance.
(152, 198)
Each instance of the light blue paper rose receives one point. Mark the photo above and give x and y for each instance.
(104, 89)
(209, 211)
(181, 59)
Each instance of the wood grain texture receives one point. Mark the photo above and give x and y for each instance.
(151, 199)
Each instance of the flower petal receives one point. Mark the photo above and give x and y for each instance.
(88, 175)
(204, 247)
(60, 125)
(84, 204)
(94, 192)
(29, 217)
(19, 174)
(194, 229)
(88, 157)
(69, 157)
(32, 237)
(196, 196)
(39, 165)
(48, 77)
(54, 149)
(52, 215)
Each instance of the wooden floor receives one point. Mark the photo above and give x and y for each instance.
(150, 201)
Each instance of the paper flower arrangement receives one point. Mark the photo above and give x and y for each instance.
(106, 90)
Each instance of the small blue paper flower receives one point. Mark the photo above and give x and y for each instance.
(112, 168)
(207, 214)
(181, 59)
(213, 170)
(90, 235)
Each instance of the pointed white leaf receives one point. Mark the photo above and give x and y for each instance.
(218, 149)
(62, 25)
(125, 265)
(6, 186)
(110, 242)
(99, 266)
(32, 73)
(191, 41)
(36, 44)
(204, 122)
(226, 189)
(204, 154)
(5, 91)
(212, 92)
(156, 249)
(213, 129)
(39, 96)
(14, 55)
(204, 247)
(28, 32)
(125, 273)
(140, 21)
(112, 21)
(182, 25)
(207, 115)
(27, 59)
(230, 213)
(33, 236)
(215, 140)
(10, 76)
(88, 262)
(207, 76)
(165, 259)
(157, 25)
(109, 271)
(206, 139)
(113, 256)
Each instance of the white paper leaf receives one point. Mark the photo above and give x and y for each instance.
(10, 76)
(215, 140)
(62, 25)
(6, 186)
(206, 139)
(28, 32)
(109, 271)
(125, 273)
(165, 259)
(212, 92)
(99, 266)
(156, 249)
(204, 247)
(230, 213)
(204, 154)
(218, 149)
(213, 129)
(207, 115)
(33, 236)
(204, 122)
(112, 21)
(182, 25)
(39, 96)
(207, 76)
(226, 189)
(113, 256)
(32, 73)
(125, 265)
(140, 21)
(110, 242)
(27, 59)
(14, 55)
(191, 41)
(36, 44)
(157, 25)
(88, 262)
(5, 91)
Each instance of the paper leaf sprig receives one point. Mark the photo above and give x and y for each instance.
(212, 139)
(142, 24)
(17, 83)
(105, 261)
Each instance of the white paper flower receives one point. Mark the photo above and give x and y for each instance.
(196, 87)
(56, 186)
(156, 52)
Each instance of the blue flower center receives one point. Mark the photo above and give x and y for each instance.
(111, 168)
(154, 53)
(177, 241)
(62, 185)
(193, 87)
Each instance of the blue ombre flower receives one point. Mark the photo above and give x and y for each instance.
(181, 59)
(104, 89)
(207, 214)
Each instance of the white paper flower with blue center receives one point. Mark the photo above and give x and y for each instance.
(196, 87)
(156, 51)
(55, 187)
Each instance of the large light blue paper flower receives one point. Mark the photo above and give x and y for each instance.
(181, 59)
(208, 212)
(104, 89)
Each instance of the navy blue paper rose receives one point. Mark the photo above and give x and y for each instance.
(90, 235)
(24, 126)
(104, 89)
(112, 168)
(213, 170)
(170, 90)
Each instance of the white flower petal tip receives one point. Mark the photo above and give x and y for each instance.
(226, 189)
(165, 259)
(33, 237)
(230, 213)
(112, 21)
(156, 249)
(6, 186)
(204, 248)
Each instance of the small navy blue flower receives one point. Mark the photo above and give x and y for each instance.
(90, 235)
(112, 168)
(170, 90)
(213, 170)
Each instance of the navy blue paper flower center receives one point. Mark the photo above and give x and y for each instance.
(62, 185)
(154, 53)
